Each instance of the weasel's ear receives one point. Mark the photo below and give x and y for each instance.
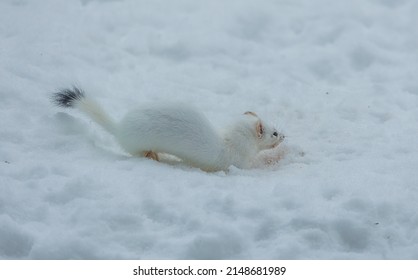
(259, 129)
(251, 114)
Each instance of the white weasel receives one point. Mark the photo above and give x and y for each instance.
(182, 131)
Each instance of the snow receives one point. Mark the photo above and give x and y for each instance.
(337, 77)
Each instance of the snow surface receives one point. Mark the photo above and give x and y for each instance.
(338, 77)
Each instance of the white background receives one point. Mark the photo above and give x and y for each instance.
(339, 78)
(327, 270)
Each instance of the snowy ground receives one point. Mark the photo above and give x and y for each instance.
(338, 77)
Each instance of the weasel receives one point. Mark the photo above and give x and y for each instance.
(181, 131)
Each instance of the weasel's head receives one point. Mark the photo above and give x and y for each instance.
(267, 136)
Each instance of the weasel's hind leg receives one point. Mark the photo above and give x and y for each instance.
(151, 155)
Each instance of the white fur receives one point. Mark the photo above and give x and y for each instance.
(182, 131)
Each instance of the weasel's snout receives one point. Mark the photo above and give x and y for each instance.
(280, 138)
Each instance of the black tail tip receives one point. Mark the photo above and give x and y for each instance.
(67, 97)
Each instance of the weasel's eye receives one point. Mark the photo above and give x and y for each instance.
(275, 134)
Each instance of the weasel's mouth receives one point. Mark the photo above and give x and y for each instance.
(274, 145)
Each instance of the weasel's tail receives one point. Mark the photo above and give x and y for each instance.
(75, 98)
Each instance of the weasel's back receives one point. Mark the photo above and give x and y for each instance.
(176, 129)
